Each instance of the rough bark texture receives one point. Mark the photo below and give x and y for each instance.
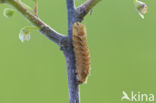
(72, 83)
(69, 55)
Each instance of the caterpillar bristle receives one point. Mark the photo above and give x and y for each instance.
(82, 55)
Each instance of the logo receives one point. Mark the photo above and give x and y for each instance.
(137, 97)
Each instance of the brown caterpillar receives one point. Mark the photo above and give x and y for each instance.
(81, 52)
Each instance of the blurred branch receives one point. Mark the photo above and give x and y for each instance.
(44, 28)
(2, 1)
(36, 8)
(83, 9)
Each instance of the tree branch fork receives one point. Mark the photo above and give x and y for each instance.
(64, 42)
(49, 32)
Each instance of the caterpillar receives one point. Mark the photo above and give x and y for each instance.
(82, 55)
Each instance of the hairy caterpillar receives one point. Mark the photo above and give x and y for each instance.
(81, 52)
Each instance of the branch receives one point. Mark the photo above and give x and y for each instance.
(71, 15)
(74, 95)
(83, 9)
(44, 28)
(70, 56)
(2, 1)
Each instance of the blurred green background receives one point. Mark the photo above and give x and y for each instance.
(122, 46)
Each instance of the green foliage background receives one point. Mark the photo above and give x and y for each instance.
(122, 46)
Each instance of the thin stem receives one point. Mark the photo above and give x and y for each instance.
(83, 9)
(2, 1)
(43, 27)
(36, 8)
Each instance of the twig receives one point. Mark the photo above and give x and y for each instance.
(44, 28)
(83, 9)
(2, 1)
(36, 7)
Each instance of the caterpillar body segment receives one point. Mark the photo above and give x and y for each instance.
(81, 51)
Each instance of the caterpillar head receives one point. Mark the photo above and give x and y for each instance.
(78, 29)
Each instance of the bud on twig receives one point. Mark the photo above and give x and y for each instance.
(25, 33)
(141, 8)
(8, 12)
